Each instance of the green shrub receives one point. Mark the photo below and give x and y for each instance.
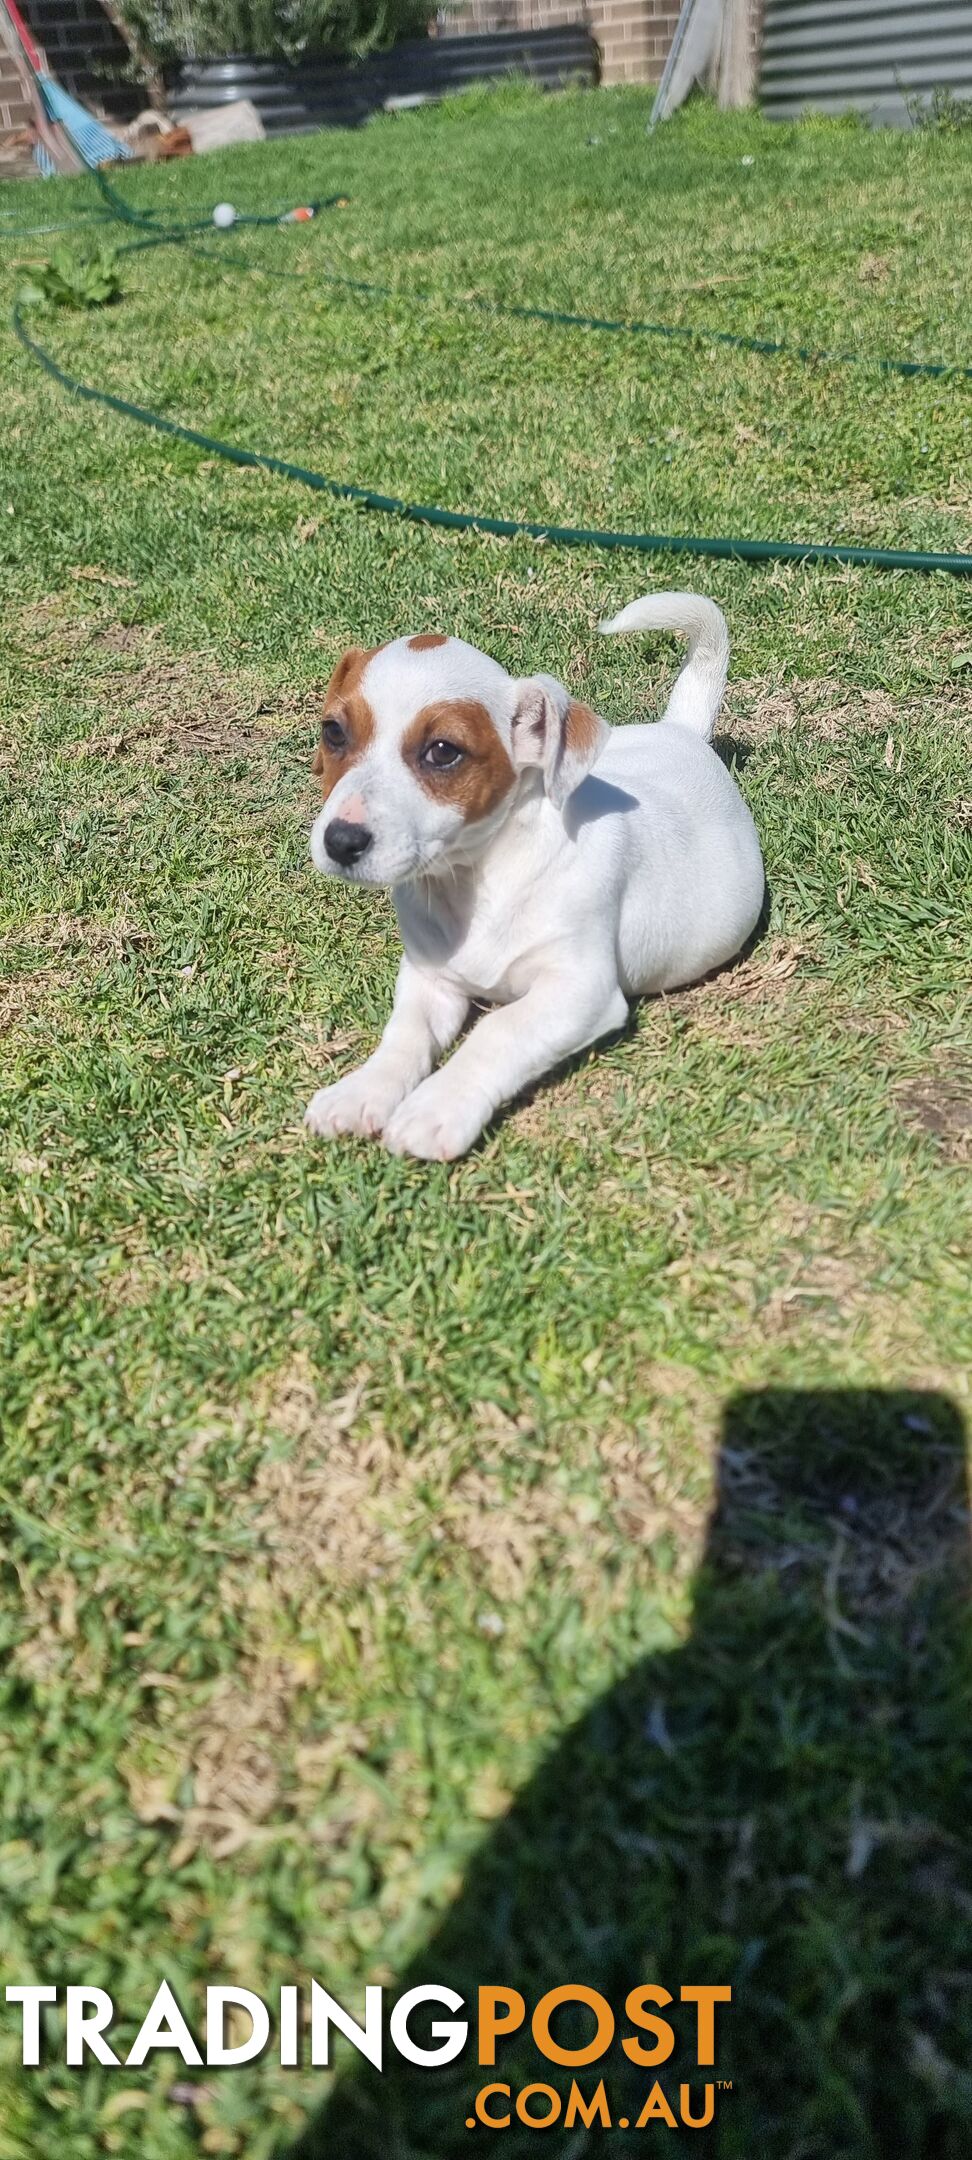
(70, 283)
(942, 110)
(170, 30)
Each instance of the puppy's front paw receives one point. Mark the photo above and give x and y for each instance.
(360, 1104)
(436, 1122)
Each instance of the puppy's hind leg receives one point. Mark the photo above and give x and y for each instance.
(426, 1018)
(507, 1050)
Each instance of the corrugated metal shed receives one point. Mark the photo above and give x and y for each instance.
(833, 55)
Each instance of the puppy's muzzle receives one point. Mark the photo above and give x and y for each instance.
(346, 842)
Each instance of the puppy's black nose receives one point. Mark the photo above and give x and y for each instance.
(345, 842)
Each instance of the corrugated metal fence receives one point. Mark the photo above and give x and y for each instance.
(832, 55)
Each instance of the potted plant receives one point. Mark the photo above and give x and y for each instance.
(275, 52)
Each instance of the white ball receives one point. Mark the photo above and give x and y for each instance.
(224, 215)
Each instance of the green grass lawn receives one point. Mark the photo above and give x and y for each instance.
(364, 1607)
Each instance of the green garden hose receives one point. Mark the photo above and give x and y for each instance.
(620, 326)
(728, 549)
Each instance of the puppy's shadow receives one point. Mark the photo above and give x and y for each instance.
(734, 751)
(595, 798)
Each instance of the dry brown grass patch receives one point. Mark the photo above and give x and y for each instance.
(233, 1761)
(73, 944)
(757, 708)
(775, 985)
(167, 704)
(173, 706)
(31, 995)
(345, 1506)
(939, 1104)
(344, 1517)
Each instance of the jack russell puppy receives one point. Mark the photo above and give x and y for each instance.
(540, 862)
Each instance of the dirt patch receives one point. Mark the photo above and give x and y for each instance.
(67, 940)
(346, 1506)
(756, 709)
(939, 1104)
(175, 707)
(164, 705)
(340, 1514)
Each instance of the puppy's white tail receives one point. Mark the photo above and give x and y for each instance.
(698, 690)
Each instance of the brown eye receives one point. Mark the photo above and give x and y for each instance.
(333, 735)
(441, 754)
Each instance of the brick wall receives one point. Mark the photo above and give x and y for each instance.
(86, 53)
(469, 16)
(634, 35)
(14, 109)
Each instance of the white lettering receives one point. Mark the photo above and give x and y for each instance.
(164, 2027)
(31, 1999)
(83, 2031)
(452, 2037)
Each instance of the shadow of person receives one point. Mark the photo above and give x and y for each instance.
(781, 1806)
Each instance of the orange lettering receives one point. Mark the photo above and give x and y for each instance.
(706, 1997)
(539, 2122)
(492, 2122)
(696, 2122)
(491, 2026)
(656, 2109)
(664, 2037)
(575, 2058)
(579, 2110)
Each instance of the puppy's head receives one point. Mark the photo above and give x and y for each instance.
(424, 747)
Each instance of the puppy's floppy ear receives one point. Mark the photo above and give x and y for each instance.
(350, 667)
(351, 664)
(553, 731)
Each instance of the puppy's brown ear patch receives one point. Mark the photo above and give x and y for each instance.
(583, 732)
(427, 641)
(349, 670)
(343, 700)
(556, 732)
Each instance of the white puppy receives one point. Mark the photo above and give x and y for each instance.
(539, 861)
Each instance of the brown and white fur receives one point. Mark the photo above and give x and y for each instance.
(540, 862)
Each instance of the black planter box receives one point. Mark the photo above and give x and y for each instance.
(342, 93)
